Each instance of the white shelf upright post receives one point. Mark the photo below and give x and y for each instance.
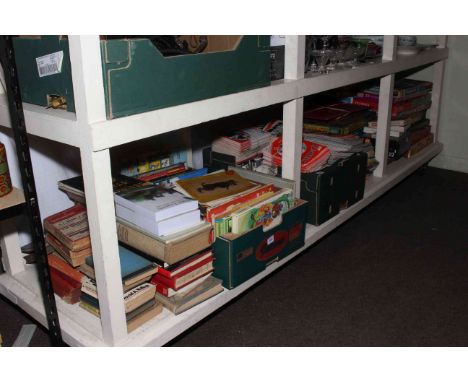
(85, 57)
(384, 114)
(437, 86)
(294, 61)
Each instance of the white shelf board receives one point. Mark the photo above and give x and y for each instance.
(57, 125)
(80, 328)
(316, 83)
(14, 198)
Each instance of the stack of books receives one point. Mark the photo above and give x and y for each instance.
(243, 144)
(410, 130)
(66, 280)
(144, 246)
(72, 268)
(156, 209)
(339, 126)
(67, 232)
(336, 119)
(409, 97)
(138, 294)
(186, 283)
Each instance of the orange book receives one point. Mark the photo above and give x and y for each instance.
(63, 267)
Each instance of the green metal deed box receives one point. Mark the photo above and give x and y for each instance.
(137, 77)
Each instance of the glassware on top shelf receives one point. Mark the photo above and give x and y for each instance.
(359, 51)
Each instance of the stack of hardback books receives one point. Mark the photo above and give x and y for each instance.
(186, 283)
(410, 130)
(72, 268)
(138, 294)
(179, 248)
(66, 280)
(338, 126)
(409, 97)
(336, 119)
(67, 232)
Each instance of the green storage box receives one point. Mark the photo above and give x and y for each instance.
(240, 257)
(138, 78)
(352, 183)
(321, 190)
(337, 186)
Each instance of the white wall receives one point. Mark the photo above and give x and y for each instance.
(52, 162)
(453, 123)
(453, 126)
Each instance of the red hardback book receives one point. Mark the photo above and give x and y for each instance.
(67, 289)
(182, 267)
(154, 175)
(192, 273)
(169, 292)
(397, 107)
(63, 267)
(70, 227)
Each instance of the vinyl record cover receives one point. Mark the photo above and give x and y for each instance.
(215, 185)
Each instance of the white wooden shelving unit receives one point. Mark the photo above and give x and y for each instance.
(89, 130)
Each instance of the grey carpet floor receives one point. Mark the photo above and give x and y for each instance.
(394, 275)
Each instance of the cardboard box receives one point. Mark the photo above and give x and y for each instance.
(138, 78)
(240, 257)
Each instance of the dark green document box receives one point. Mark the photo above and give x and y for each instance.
(138, 78)
(334, 187)
(240, 257)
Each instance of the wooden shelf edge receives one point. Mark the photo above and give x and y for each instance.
(14, 198)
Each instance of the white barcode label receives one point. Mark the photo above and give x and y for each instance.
(271, 239)
(50, 64)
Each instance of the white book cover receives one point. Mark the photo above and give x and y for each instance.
(393, 133)
(154, 202)
(164, 227)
